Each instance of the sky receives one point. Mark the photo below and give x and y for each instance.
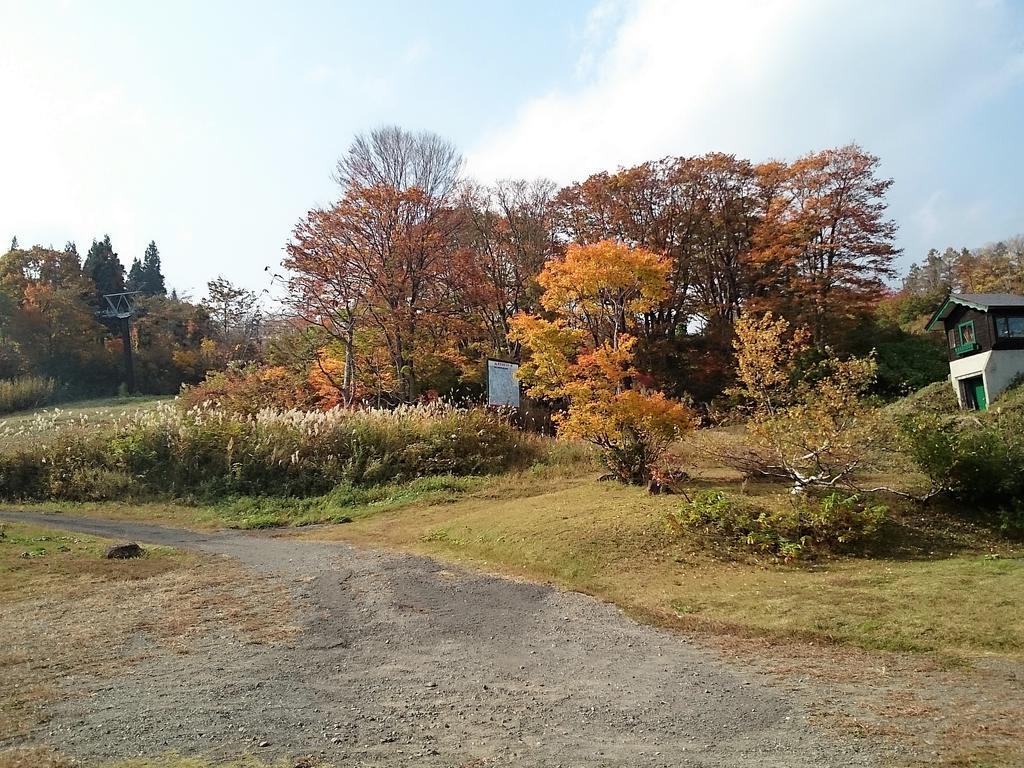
(212, 127)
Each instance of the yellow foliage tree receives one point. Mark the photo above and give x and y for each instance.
(816, 429)
(584, 356)
(599, 287)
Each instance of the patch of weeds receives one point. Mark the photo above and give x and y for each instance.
(342, 505)
(443, 536)
(789, 529)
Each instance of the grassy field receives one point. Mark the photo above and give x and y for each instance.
(44, 571)
(935, 588)
(934, 584)
(36, 562)
(30, 425)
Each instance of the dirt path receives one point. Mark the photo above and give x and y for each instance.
(403, 661)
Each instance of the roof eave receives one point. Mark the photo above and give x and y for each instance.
(941, 314)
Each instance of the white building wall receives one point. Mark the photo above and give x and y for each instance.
(967, 368)
(999, 368)
(1004, 366)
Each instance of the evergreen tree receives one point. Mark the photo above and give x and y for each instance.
(136, 277)
(105, 268)
(152, 278)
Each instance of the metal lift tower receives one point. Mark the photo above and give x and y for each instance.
(121, 307)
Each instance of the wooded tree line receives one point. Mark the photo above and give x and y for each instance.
(416, 274)
(51, 323)
(403, 287)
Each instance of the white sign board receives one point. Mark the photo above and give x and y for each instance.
(502, 384)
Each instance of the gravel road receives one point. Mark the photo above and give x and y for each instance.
(405, 661)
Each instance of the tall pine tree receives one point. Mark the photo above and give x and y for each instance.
(104, 268)
(136, 277)
(152, 277)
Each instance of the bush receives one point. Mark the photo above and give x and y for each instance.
(212, 451)
(977, 460)
(798, 527)
(937, 399)
(25, 392)
(248, 388)
(631, 429)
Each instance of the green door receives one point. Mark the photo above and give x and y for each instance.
(977, 389)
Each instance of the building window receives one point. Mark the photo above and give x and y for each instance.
(1010, 327)
(964, 339)
(965, 333)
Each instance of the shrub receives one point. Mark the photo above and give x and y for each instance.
(212, 451)
(248, 388)
(631, 429)
(809, 425)
(796, 528)
(977, 460)
(938, 399)
(25, 392)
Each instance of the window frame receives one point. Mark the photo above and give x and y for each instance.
(961, 341)
(1002, 325)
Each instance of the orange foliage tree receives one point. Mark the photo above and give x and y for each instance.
(583, 357)
(823, 246)
(383, 256)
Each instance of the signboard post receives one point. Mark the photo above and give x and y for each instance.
(502, 383)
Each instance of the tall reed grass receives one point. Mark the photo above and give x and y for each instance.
(25, 392)
(211, 451)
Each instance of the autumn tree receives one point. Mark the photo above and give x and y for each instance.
(175, 343)
(603, 288)
(51, 321)
(389, 242)
(236, 316)
(994, 268)
(326, 290)
(584, 356)
(393, 158)
(811, 427)
(935, 275)
(641, 207)
(506, 241)
(823, 247)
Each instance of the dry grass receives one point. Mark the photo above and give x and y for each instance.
(33, 757)
(32, 425)
(34, 562)
(66, 611)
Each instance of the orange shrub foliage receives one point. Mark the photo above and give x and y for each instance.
(249, 389)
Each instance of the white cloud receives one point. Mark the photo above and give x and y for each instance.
(778, 78)
(654, 86)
